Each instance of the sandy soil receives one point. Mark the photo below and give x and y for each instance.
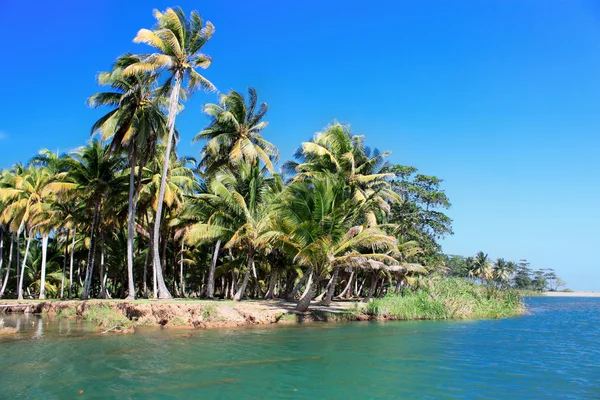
(187, 313)
(572, 294)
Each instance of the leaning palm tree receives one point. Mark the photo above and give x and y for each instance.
(234, 133)
(134, 125)
(178, 40)
(318, 218)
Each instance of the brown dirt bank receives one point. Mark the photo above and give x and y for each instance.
(184, 313)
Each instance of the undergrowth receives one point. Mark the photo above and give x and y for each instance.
(447, 298)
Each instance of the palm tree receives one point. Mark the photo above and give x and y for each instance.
(94, 175)
(238, 213)
(338, 150)
(26, 205)
(482, 267)
(318, 219)
(181, 182)
(178, 40)
(135, 124)
(234, 133)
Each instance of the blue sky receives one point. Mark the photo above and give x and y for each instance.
(499, 98)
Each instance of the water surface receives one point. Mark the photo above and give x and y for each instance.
(552, 353)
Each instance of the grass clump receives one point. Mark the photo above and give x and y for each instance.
(67, 312)
(106, 317)
(447, 298)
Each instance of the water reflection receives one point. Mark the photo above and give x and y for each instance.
(552, 353)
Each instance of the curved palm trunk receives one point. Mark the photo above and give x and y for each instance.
(347, 290)
(10, 254)
(91, 255)
(131, 225)
(44, 259)
(296, 289)
(71, 263)
(240, 293)
(163, 292)
(331, 290)
(20, 287)
(210, 285)
(308, 294)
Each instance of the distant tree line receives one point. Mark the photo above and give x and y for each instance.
(503, 273)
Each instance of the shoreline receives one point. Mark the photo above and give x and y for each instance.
(571, 294)
(126, 315)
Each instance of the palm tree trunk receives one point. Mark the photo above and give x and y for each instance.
(181, 282)
(64, 270)
(71, 263)
(131, 224)
(240, 293)
(20, 287)
(296, 289)
(103, 274)
(308, 294)
(331, 291)
(373, 288)
(271, 292)
(163, 292)
(1, 248)
(210, 285)
(348, 286)
(10, 254)
(18, 256)
(91, 255)
(44, 259)
(146, 273)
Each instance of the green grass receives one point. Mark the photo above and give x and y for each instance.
(106, 317)
(447, 298)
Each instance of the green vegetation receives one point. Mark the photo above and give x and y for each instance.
(106, 317)
(447, 298)
(339, 221)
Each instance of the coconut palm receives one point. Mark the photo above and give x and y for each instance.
(234, 134)
(238, 208)
(135, 125)
(318, 219)
(338, 150)
(94, 175)
(482, 268)
(27, 205)
(181, 181)
(178, 40)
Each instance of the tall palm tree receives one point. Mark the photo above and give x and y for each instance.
(234, 133)
(178, 40)
(135, 125)
(93, 174)
(180, 182)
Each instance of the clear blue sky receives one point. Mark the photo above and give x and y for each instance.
(499, 98)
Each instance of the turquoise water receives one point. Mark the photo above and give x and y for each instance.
(552, 353)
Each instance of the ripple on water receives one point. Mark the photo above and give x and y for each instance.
(552, 353)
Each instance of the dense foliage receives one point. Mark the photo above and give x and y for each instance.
(127, 216)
